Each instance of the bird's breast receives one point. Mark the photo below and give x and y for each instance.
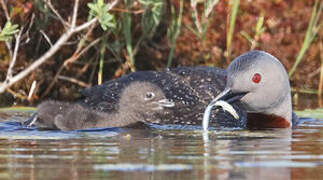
(258, 120)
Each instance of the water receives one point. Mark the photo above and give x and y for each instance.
(118, 153)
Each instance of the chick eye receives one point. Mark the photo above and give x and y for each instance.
(256, 78)
(149, 95)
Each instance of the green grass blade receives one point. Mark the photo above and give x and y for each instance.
(309, 36)
(102, 53)
(126, 19)
(174, 32)
(233, 16)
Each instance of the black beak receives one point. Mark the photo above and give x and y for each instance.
(229, 96)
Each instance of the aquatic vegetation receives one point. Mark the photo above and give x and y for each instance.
(258, 31)
(233, 15)
(311, 113)
(312, 30)
(201, 22)
(173, 31)
(18, 108)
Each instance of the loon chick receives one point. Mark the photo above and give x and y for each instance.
(138, 101)
(261, 83)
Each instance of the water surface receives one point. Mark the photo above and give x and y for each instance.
(118, 153)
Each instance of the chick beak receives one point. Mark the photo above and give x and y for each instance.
(164, 103)
(226, 96)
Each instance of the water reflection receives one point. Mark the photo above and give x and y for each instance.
(116, 153)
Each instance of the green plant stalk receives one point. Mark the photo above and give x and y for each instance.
(233, 16)
(312, 113)
(46, 14)
(18, 108)
(202, 23)
(309, 36)
(126, 19)
(304, 91)
(259, 30)
(150, 19)
(174, 36)
(208, 6)
(100, 73)
(321, 80)
(83, 40)
(316, 20)
(101, 63)
(171, 54)
(196, 18)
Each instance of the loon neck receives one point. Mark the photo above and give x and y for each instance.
(278, 117)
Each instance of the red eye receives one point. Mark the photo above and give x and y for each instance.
(256, 78)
